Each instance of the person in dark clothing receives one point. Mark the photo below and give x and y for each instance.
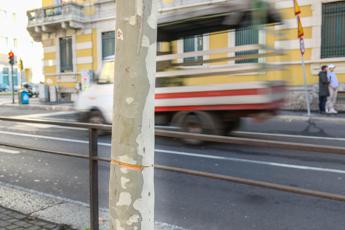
(323, 88)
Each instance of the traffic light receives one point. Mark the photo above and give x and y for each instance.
(20, 65)
(11, 58)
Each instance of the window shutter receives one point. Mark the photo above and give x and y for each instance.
(66, 55)
(108, 44)
(333, 30)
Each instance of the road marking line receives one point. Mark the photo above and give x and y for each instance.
(55, 126)
(9, 151)
(44, 115)
(268, 163)
(47, 137)
(289, 135)
(48, 114)
(302, 167)
(46, 126)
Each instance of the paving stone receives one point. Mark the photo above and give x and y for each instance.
(18, 216)
(12, 226)
(12, 220)
(34, 228)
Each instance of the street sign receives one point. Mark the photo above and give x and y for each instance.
(85, 79)
(302, 46)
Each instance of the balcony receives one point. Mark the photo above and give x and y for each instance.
(49, 19)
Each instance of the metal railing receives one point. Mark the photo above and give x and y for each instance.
(93, 159)
(57, 13)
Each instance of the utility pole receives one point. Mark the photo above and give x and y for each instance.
(131, 186)
(300, 34)
(20, 78)
(12, 84)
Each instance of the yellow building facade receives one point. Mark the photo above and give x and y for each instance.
(71, 34)
(324, 30)
(77, 36)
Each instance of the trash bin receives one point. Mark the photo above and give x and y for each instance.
(24, 97)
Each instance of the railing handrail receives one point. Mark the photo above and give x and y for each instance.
(40, 12)
(59, 123)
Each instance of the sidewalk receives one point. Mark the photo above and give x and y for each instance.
(302, 115)
(36, 104)
(37, 210)
(12, 220)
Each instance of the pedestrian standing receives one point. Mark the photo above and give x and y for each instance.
(323, 88)
(333, 90)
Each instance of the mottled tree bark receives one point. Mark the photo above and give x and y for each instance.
(131, 191)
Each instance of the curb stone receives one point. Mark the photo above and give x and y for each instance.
(291, 117)
(41, 107)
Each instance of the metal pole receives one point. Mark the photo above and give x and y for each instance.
(20, 80)
(306, 91)
(12, 83)
(93, 179)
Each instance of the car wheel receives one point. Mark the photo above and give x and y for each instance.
(198, 122)
(96, 117)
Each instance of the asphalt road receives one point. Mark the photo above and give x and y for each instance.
(194, 202)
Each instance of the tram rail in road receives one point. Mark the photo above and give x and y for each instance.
(60, 116)
(261, 135)
(93, 159)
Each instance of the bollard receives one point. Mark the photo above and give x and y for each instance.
(93, 179)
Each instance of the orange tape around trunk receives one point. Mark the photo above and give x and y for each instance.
(128, 166)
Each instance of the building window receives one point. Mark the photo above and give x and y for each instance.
(246, 36)
(108, 44)
(15, 43)
(3, 14)
(333, 30)
(66, 54)
(191, 44)
(14, 17)
(15, 77)
(2, 42)
(5, 76)
(6, 42)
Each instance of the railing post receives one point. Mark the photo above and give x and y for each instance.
(93, 179)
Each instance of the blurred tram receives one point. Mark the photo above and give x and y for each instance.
(206, 90)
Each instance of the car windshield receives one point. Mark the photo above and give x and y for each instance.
(107, 73)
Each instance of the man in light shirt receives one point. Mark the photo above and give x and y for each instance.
(333, 90)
